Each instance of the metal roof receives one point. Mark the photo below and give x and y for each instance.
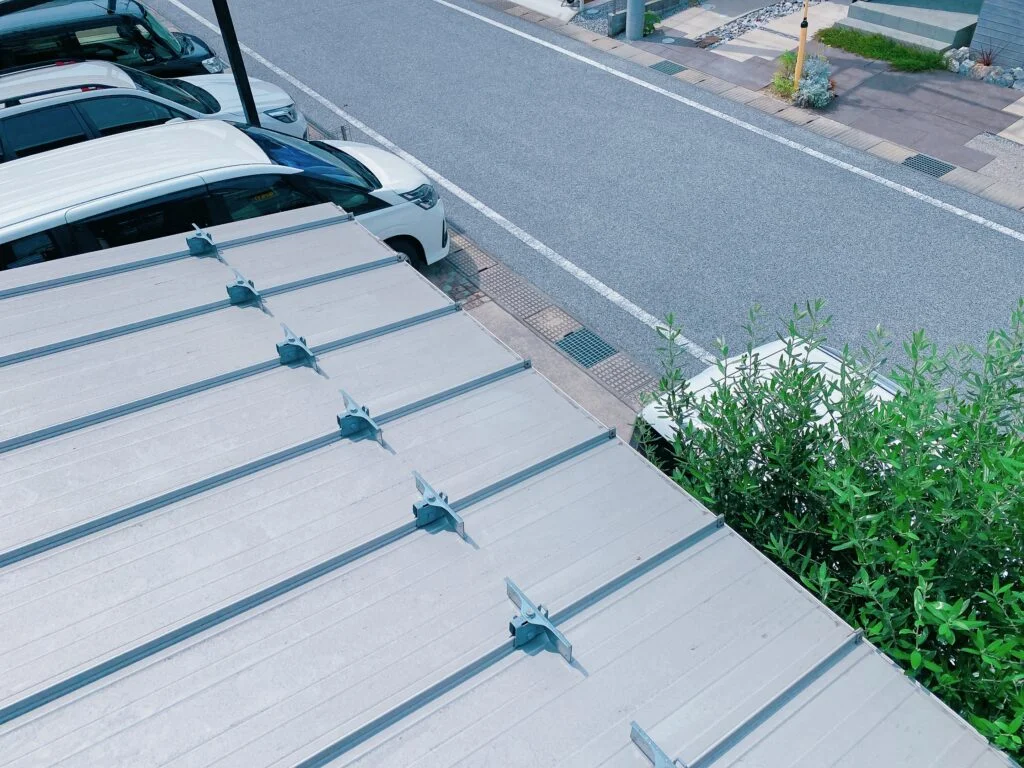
(210, 555)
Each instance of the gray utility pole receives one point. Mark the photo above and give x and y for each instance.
(634, 19)
(234, 53)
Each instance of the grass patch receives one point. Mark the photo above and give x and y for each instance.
(906, 58)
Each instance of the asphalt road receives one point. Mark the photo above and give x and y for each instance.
(677, 210)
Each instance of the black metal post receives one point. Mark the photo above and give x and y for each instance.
(234, 53)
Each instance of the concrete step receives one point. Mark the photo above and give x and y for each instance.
(894, 34)
(950, 27)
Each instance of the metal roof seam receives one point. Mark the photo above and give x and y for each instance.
(331, 346)
(502, 650)
(751, 723)
(183, 314)
(81, 277)
(126, 659)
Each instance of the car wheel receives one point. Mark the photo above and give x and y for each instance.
(409, 248)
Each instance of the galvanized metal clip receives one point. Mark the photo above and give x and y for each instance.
(356, 419)
(294, 349)
(243, 291)
(200, 243)
(531, 621)
(649, 748)
(433, 506)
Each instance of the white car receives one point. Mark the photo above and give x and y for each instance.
(53, 105)
(771, 355)
(160, 181)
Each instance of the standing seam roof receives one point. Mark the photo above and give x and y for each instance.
(272, 500)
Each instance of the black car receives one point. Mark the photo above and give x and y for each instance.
(122, 31)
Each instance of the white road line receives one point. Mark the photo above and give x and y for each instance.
(554, 257)
(949, 208)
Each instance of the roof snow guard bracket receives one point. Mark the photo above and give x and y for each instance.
(531, 621)
(294, 349)
(356, 420)
(200, 243)
(243, 291)
(433, 506)
(649, 748)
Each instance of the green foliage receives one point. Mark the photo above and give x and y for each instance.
(907, 58)
(651, 22)
(782, 81)
(815, 88)
(904, 517)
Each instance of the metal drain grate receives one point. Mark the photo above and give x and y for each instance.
(928, 165)
(668, 67)
(586, 347)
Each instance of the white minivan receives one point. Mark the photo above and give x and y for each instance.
(163, 180)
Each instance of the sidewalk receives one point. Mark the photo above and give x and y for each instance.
(967, 133)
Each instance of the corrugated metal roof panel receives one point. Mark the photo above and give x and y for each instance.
(203, 562)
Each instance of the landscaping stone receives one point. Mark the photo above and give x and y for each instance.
(753, 20)
(979, 72)
(952, 64)
(960, 54)
(966, 66)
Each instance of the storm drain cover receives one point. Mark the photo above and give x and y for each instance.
(668, 67)
(586, 347)
(928, 165)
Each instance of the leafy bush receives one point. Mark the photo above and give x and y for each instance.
(907, 58)
(651, 22)
(904, 517)
(782, 81)
(815, 89)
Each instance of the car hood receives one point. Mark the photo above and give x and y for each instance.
(222, 88)
(392, 171)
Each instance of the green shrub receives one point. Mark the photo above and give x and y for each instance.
(904, 517)
(651, 22)
(907, 58)
(815, 89)
(782, 81)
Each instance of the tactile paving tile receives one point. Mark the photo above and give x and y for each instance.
(553, 324)
(624, 378)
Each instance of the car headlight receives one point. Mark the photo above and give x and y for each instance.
(284, 114)
(213, 65)
(425, 196)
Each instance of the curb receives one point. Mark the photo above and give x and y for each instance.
(1002, 192)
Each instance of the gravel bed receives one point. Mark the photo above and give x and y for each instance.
(594, 18)
(754, 20)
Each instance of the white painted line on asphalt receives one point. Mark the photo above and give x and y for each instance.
(551, 255)
(948, 207)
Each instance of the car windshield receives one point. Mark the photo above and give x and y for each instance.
(174, 90)
(159, 33)
(296, 153)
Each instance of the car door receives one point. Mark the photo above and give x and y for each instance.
(27, 133)
(107, 115)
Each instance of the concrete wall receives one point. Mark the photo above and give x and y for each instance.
(1001, 29)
